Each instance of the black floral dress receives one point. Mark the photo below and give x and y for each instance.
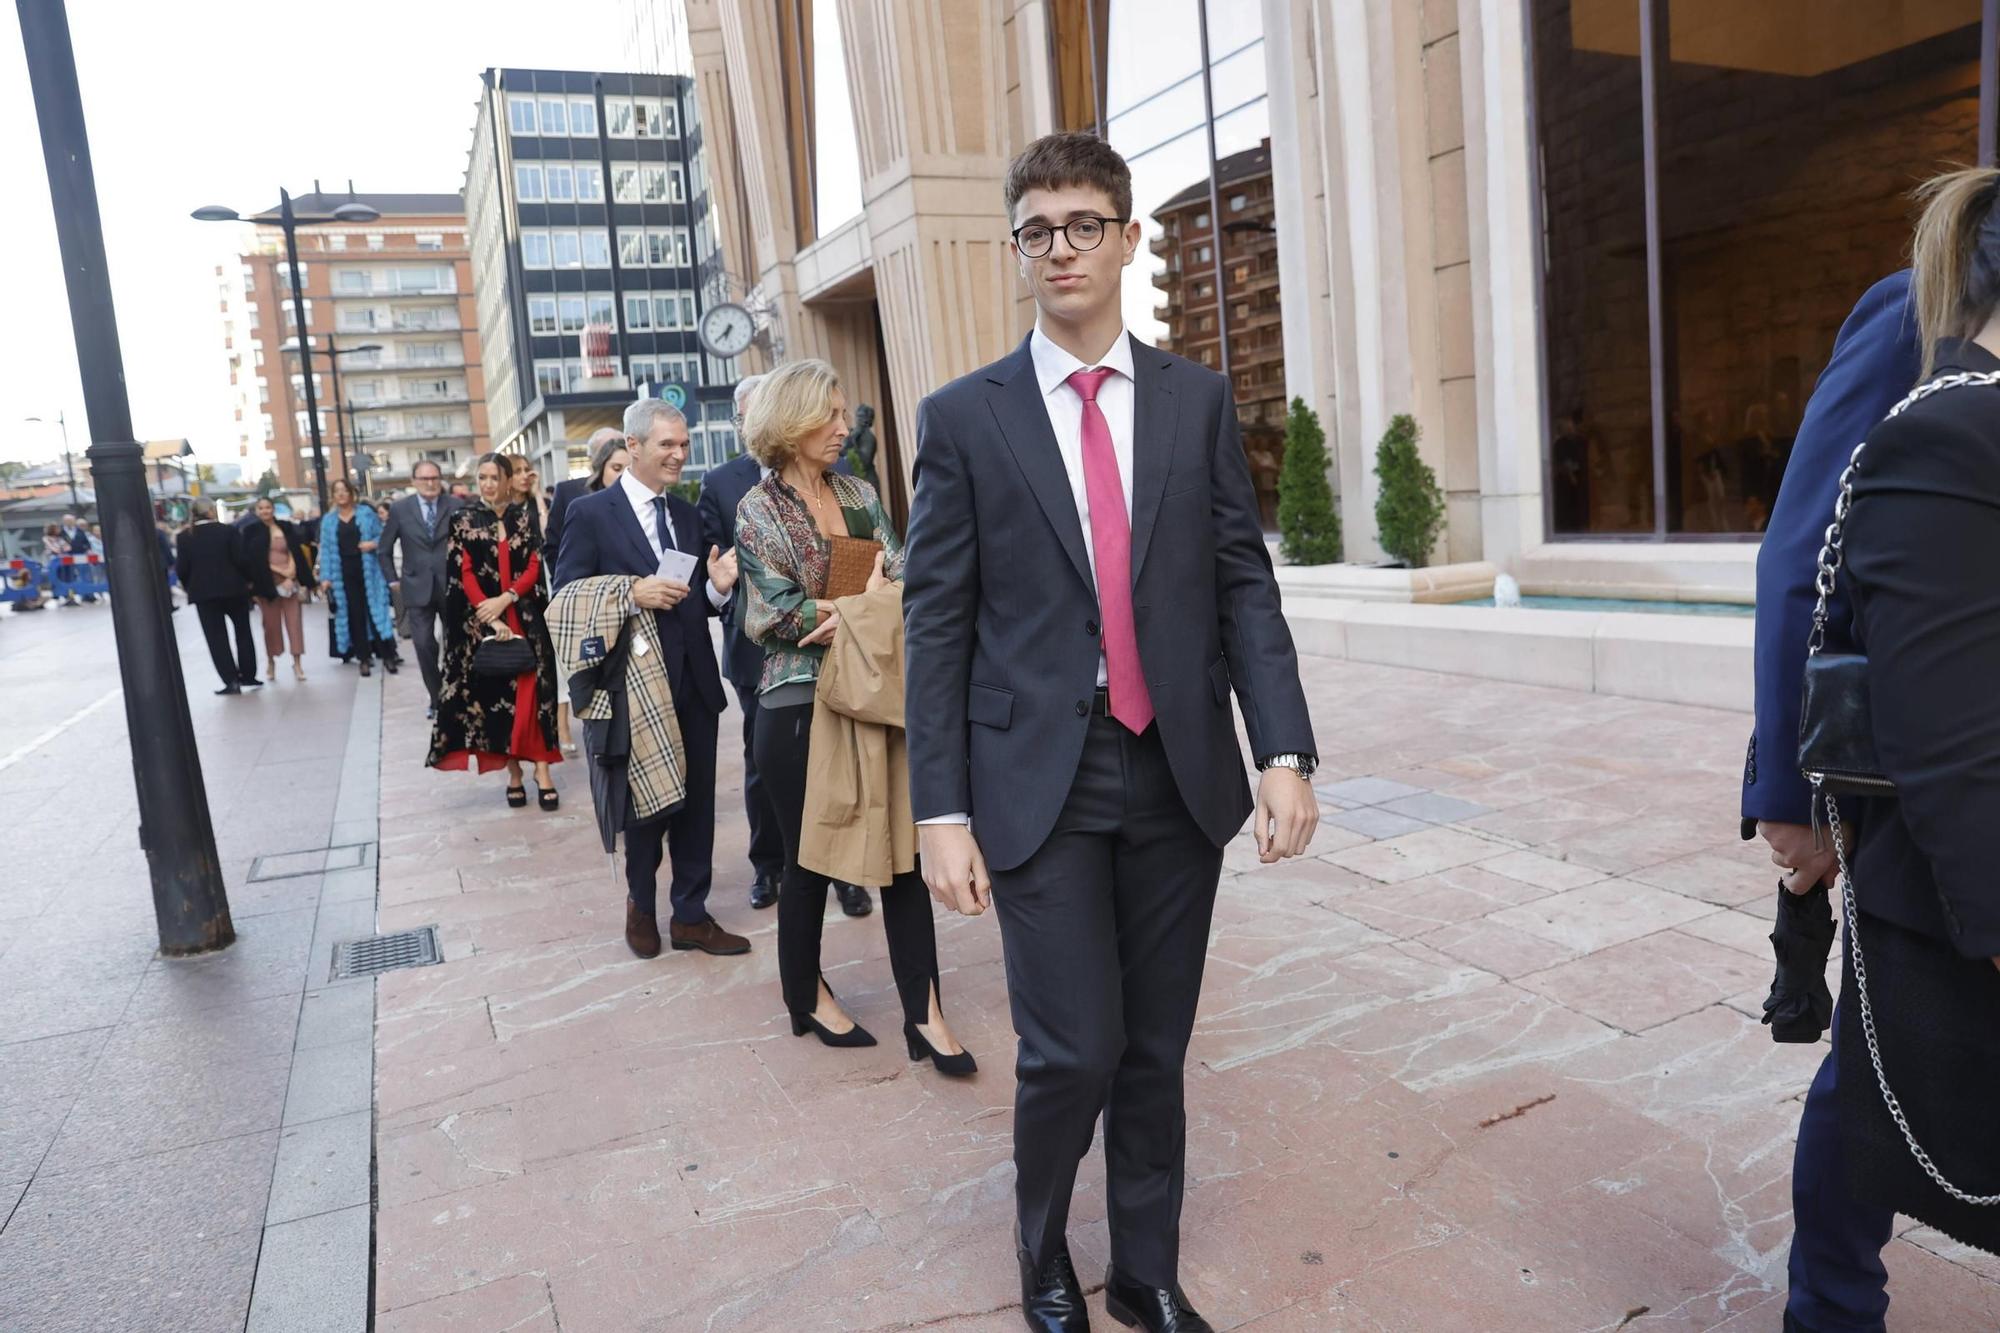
(486, 719)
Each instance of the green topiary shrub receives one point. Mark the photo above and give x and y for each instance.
(1409, 511)
(1308, 523)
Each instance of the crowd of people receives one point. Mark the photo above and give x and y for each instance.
(1023, 705)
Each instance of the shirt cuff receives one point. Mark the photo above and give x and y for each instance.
(716, 597)
(960, 818)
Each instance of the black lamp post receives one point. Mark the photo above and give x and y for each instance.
(69, 466)
(351, 211)
(190, 903)
(340, 430)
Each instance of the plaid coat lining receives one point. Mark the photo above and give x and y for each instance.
(601, 606)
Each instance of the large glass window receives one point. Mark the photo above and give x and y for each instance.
(565, 249)
(534, 249)
(542, 314)
(554, 121)
(521, 115)
(1782, 184)
(596, 248)
(558, 183)
(583, 117)
(528, 182)
(589, 184)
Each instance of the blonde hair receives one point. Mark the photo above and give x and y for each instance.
(1955, 258)
(791, 403)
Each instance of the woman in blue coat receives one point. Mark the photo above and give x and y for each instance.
(363, 627)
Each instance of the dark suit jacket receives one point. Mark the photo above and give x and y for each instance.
(1001, 637)
(1922, 548)
(1874, 363)
(422, 570)
(568, 491)
(209, 560)
(722, 490)
(601, 535)
(255, 542)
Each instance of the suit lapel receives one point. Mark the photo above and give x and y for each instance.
(1024, 425)
(1155, 428)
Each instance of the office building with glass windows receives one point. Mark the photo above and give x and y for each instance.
(391, 300)
(587, 197)
(1598, 249)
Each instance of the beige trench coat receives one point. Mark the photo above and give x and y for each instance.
(858, 827)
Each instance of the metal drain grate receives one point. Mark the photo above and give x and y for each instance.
(386, 953)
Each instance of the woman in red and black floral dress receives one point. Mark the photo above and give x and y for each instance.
(494, 559)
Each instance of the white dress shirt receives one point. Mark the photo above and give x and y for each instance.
(1115, 398)
(641, 496)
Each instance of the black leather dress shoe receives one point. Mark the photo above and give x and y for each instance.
(1155, 1309)
(1051, 1297)
(764, 892)
(854, 899)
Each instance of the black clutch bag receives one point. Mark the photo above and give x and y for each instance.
(505, 658)
(1836, 734)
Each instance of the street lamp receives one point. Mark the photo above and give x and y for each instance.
(333, 354)
(68, 466)
(351, 211)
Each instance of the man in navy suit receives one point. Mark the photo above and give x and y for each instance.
(626, 529)
(1836, 1265)
(1087, 583)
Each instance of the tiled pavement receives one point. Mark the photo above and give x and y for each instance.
(184, 1143)
(1488, 1060)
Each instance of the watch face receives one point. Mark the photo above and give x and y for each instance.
(727, 330)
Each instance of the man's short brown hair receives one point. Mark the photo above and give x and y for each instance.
(1059, 161)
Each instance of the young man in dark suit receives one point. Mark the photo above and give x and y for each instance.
(209, 561)
(625, 529)
(1087, 579)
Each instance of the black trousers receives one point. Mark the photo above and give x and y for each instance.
(767, 840)
(784, 738)
(1105, 930)
(687, 834)
(421, 622)
(216, 614)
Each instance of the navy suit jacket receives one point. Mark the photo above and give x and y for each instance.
(601, 535)
(1001, 639)
(722, 490)
(568, 492)
(1874, 364)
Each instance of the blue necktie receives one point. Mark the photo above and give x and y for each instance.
(430, 519)
(664, 532)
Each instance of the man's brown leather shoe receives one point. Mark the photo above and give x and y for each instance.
(709, 937)
(642, 931)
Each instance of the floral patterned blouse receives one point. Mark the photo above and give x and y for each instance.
(782, 568)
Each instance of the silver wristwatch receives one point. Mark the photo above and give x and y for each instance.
(1302, 764)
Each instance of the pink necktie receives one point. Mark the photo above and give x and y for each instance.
(1111, 540)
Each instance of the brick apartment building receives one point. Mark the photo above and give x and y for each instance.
(394, 298)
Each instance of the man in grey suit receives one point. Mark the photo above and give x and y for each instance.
(419, 526)
(1086, 582)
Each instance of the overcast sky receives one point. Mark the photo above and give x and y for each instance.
(223, 101)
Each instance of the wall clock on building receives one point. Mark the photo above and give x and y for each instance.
(726, 330)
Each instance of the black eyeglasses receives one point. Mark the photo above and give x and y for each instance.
(1038, 238)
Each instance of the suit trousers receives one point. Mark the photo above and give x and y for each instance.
(283, 616)
(784, 745)
(1838, 1282)
(767, 842)
(420, 623)
(685, 836)
(1105, 930)
(217, 615)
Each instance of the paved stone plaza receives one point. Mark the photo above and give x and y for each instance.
(1489, 1061)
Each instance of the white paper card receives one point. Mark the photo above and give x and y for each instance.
(678, 566)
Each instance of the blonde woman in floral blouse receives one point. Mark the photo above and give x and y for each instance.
(796, 428)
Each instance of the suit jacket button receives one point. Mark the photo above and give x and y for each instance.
(1090, 628)
(1082, 708)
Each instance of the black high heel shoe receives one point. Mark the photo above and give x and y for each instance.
(961, 1065)
(517, 798)
(855, 1036)
(547, 797)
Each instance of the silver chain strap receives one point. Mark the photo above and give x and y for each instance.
(1830, 556)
